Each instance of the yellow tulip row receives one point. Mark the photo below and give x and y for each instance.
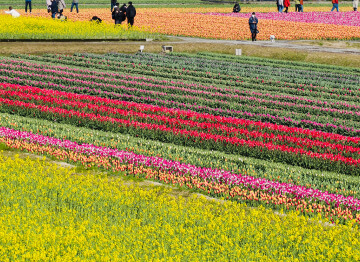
(54, 213)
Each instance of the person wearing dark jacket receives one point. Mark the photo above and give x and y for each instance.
(113, 3)
(253, 21)
(236, 8)
(130, 14)
(117, 15)
(53, 8)
(123, 12)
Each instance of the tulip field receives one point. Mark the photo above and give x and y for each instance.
(278, 134)
(178, 156)
(206, 22)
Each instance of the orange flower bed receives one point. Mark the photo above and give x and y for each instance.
(184, 21)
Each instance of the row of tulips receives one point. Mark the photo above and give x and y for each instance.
(333, 96)
(321, 180)
(28, 93)
(216, 72)
(179, 118)
(219, 183)
(345, 84)
(211, 128)
(267, 62)
(162, 132)
(245, 97)
(225, 71)
(338, 18)
(202, 104)
(265, 84)
(325, 78)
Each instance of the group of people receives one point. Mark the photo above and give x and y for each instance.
(56, 8)
(336, 5)
(120, 14)
(283, 5)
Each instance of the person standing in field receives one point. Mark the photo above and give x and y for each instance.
(116, 15)
(54, 8)
(123, 9)
(355, 4)
(286, 5)
(61, 6)
(253, 21)
(281, 5)
(113, 4)
(76, 4)
(48, 5)
(130, 14)
(302, 5)
(335, 5)
(13, 12)
(28, 4)
(297, 6)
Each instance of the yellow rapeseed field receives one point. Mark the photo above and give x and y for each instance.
(44, 28)
(53, 213)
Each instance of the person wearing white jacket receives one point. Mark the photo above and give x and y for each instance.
(355, 4)
(13, 12)
(48, 5)
(61, 6)
(281, 5)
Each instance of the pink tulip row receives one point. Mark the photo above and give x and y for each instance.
(207, 174)
(335, 18)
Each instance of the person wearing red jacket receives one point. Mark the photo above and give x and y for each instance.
(335, 5)
(286, 5)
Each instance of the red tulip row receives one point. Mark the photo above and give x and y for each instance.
(243, 108)
(83, 73)
(192, 88)
(229, 97)
(212, 128)
(108, 105)
(163, 132)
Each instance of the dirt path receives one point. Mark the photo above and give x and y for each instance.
(304, 45)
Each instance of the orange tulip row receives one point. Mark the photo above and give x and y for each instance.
(329, 211)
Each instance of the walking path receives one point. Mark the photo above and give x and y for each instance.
(277, 44)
